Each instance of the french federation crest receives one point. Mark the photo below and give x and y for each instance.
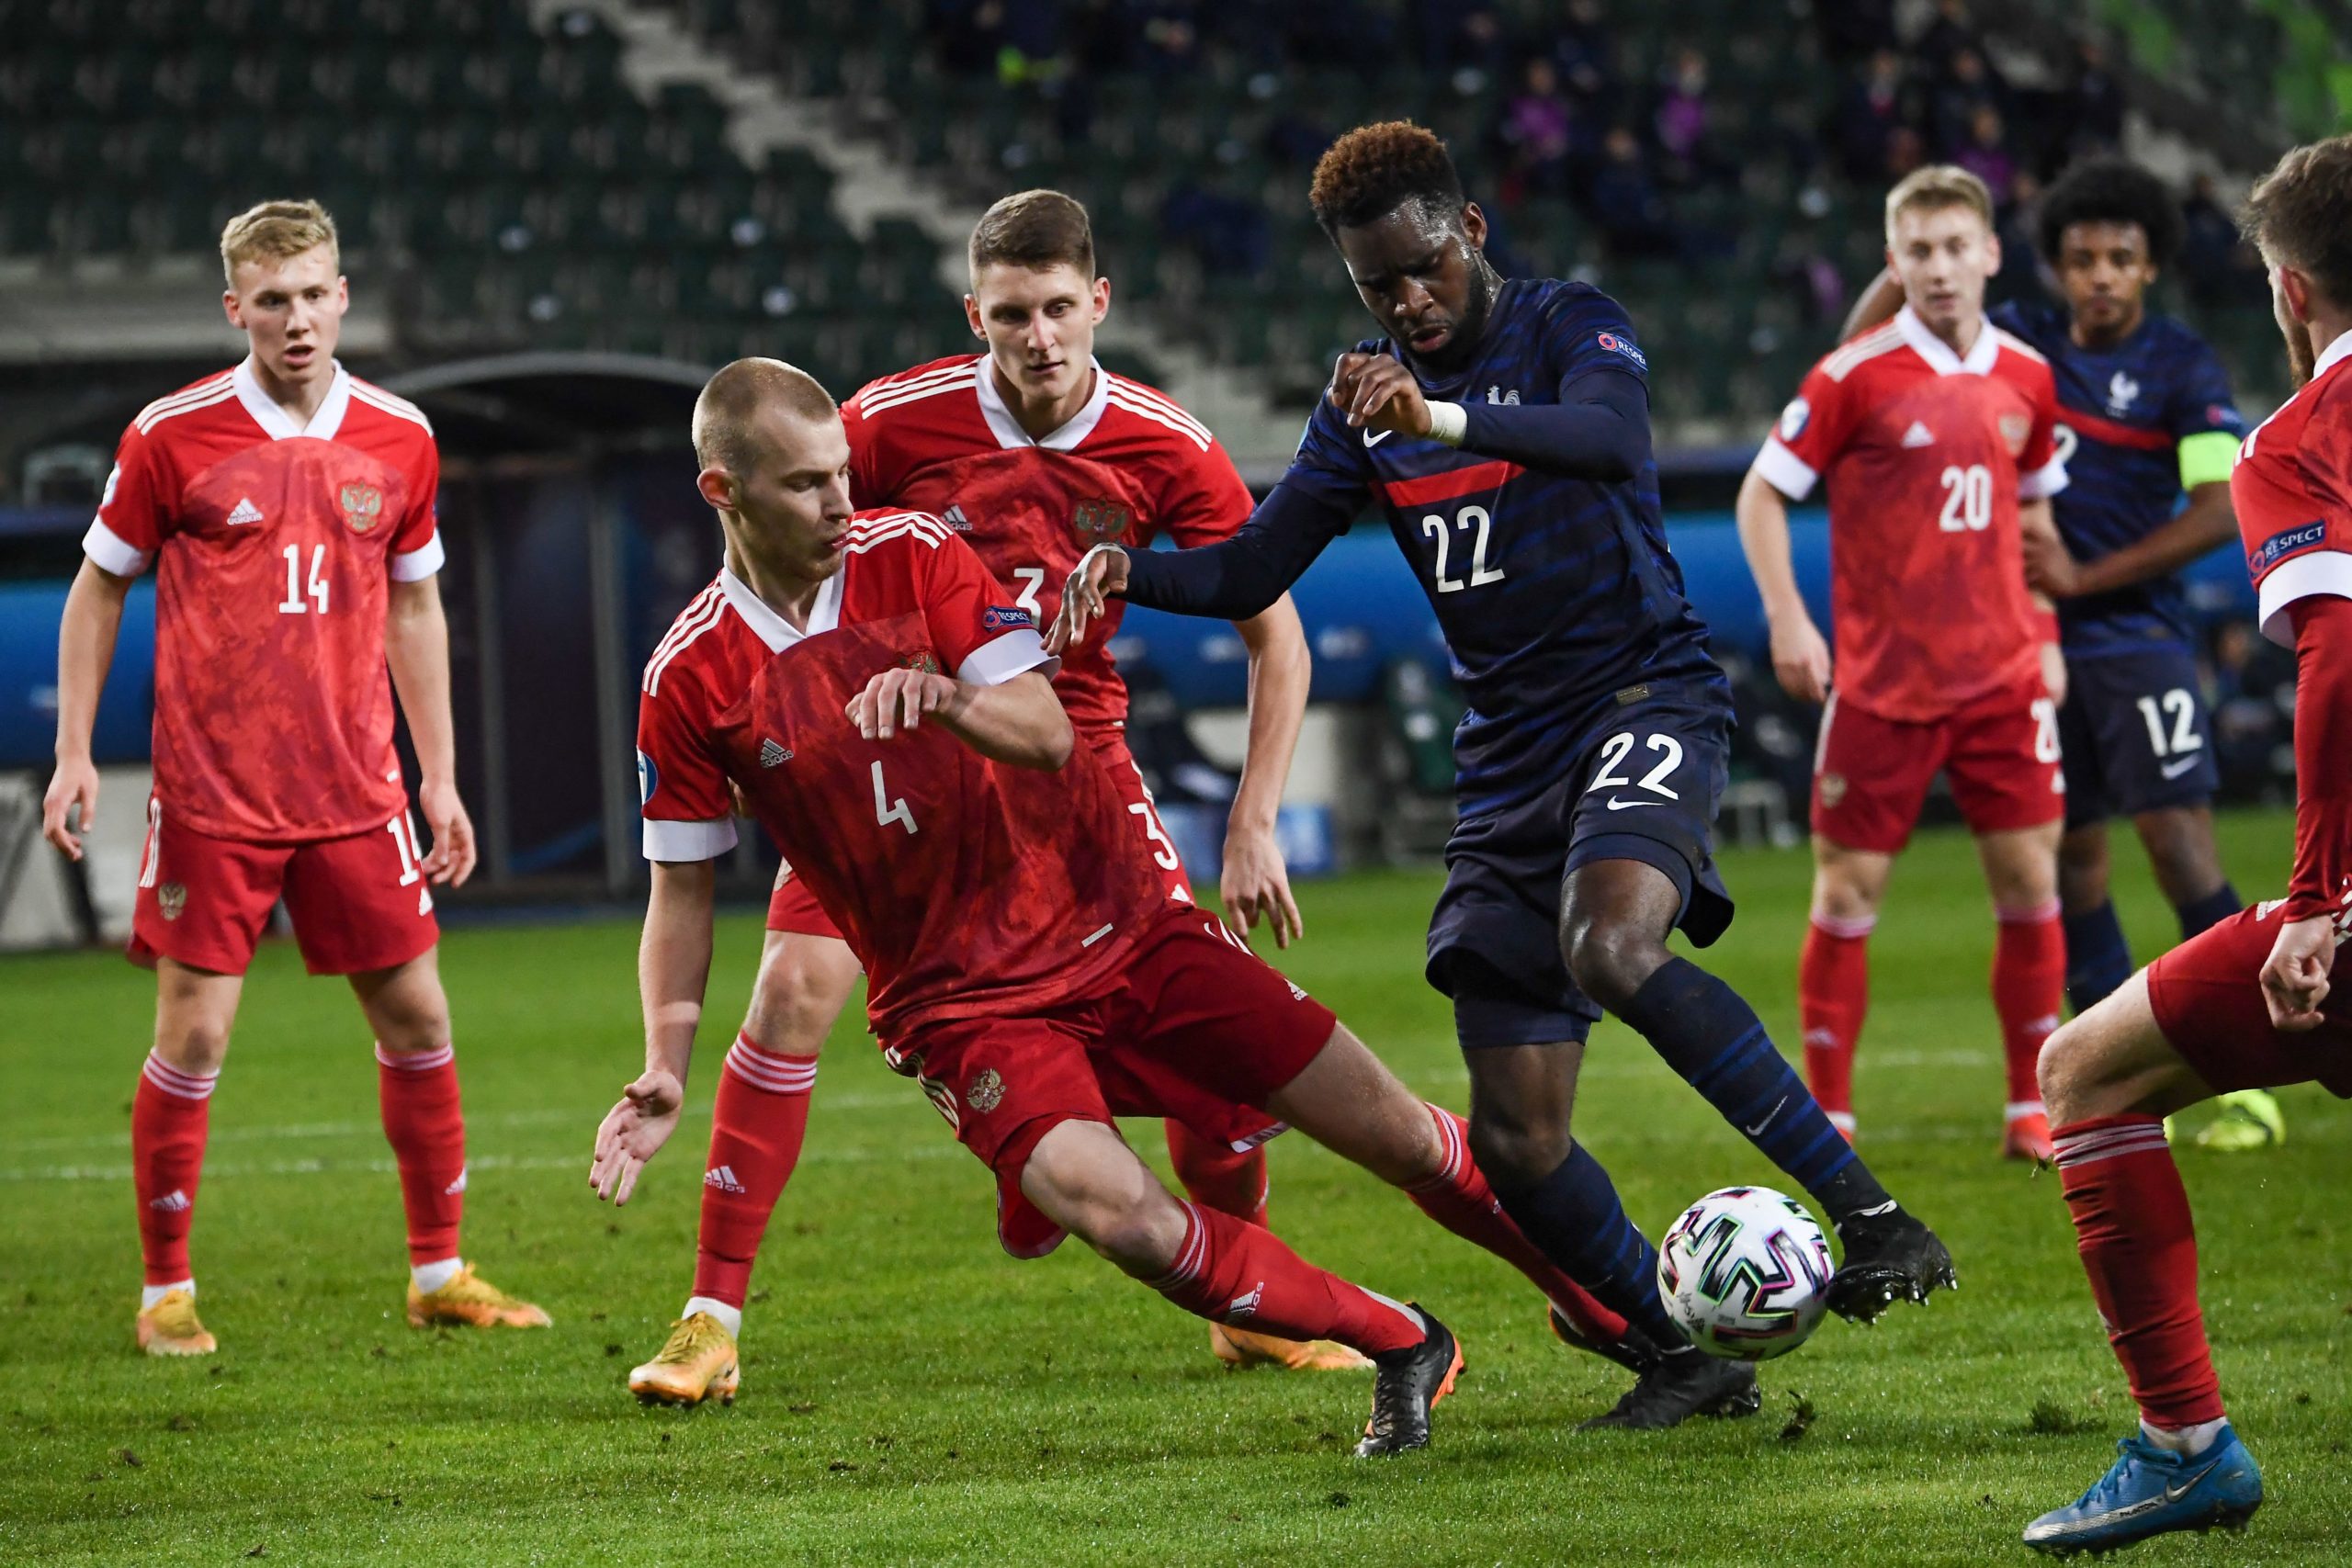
(1099, 522)
(363, 506)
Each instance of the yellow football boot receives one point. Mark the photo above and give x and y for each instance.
(170, 1327)
(697, 1363)
(470, 1298)
(1240, 1347)
(2250, 1120)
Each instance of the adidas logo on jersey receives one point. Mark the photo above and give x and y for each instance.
(173, 1202)
(956, 519)
(723, 1178)
(1919, 436)
(243, 512)
(772, 754)
(1246, 1305)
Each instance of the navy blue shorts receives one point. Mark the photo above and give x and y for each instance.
(1643, 787)
(2134, 735)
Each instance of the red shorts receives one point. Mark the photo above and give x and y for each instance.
(792, 907)
(1999, 753)
(1195, 1027)
(2207, 994)
(358, 903)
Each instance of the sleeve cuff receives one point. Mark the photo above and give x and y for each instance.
(2043, 482)
(111, 552)
(1015, 653)
(688, 841)
(1785, 470)
(420, 563)
(2322, 571)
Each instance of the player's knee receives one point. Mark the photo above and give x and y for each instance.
(2072, 1067)
(196, 1044)
(1609, 960)
(423, 1025)
(793, 1009)
(1518, 1150)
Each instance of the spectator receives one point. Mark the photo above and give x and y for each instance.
(1626, 202)
(1875, 105)
(1985, 154)
(1906, 150)
(2018, 278)
(1538, 131)
(2094, 99)
(1680, 123)
(1970, 85)
(2216, 264)
(1587, 56)
(1944, 40)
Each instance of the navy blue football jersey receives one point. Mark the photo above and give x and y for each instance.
(1554, 594)
(2124, 413)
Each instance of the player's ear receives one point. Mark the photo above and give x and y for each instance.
(1102, 299)
(717, 485)
(229, 306)
(972, 315)
(2296, 288)
(1473, 225)
(1992, 254)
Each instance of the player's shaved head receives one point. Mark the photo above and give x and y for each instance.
(727, 413)
(1375, 169)
(2300, 216)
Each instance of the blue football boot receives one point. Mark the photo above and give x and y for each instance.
(2154, 1491)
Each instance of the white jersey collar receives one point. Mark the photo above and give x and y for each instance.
(1981, 354)
(2337, 354)
(1007, 429)
(276, 421)
(773, 630)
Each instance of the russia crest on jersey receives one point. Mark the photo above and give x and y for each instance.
(1097, 522)
(362, 506)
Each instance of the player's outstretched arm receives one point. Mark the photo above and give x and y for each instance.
(1232, 579)
(1019, 722)
(1800, 653)
(416, 647)
(86, 640)
(673, 970)
(1254, 884)
(1880, 297)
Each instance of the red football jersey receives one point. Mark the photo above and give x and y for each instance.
(1128, 466)
(1926, 456)
(966, 887)
(273, 546)
(2293, 492)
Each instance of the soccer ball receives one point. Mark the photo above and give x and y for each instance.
(1745, 1273)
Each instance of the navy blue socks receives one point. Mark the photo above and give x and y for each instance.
(2096, 958)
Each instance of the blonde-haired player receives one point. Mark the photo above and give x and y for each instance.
(287, 508)
(1935, 434)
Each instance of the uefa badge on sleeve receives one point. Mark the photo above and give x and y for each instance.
(362, 505)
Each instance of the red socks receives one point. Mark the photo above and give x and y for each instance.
(1833, 994)
(758, 1119)
(168, 1117)
(1458, 1197)
(418, 1091)
(1219, 1177)
(2029, 982)
(2139, 1247)
(1233, 1272)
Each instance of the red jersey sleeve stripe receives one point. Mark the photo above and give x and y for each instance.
(698, 618)
(1454, 482)
(877, 400)
(399, 408)
(2113, 434)
(1157, 399)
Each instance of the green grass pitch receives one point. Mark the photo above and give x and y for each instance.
(913, 1395)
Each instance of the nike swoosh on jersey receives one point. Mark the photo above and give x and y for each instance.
(2178, 766)
(1617, 805)
(1374, 437)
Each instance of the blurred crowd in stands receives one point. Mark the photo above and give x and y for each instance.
(1573, 123)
